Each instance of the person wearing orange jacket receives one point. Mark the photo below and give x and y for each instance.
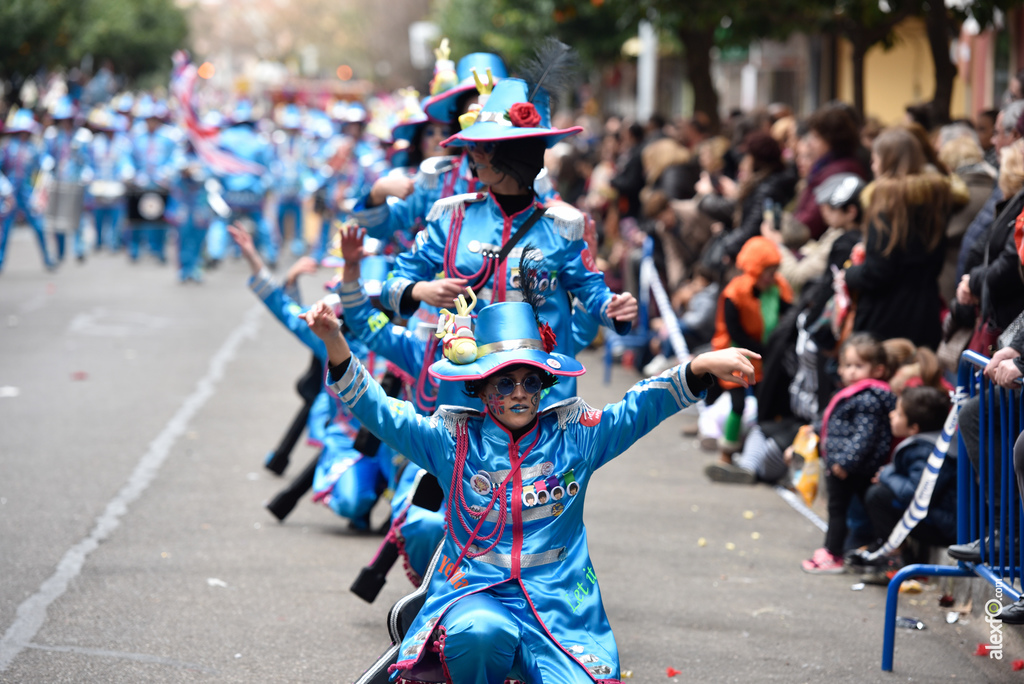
(749, 308)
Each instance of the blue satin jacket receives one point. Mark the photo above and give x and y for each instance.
(539, 542)
(436, 179)
(564, 264)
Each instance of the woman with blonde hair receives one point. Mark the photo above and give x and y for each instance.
(906, 210)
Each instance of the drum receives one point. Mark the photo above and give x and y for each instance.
(147, 206)
(64, 206)
(106, 192)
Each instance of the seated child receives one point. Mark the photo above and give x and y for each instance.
(855, 440)
(917, 420)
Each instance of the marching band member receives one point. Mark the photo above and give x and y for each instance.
(153, 157)
(110, 161)
(67, 156)
(292, 155)
(20, 160)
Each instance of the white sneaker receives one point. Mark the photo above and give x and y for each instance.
(659, 364)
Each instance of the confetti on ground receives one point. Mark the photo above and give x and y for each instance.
(749, 515)
(730, 546)
(627, 674)
(755, 535)
(859, 586)
(702, 542)
(946, 600)
(982, 650)
(673, 672)
(79, 375)
(9, 392)
(911, 587)
(694, 508)
(1018, 665)
(952, 616)
(214, 582)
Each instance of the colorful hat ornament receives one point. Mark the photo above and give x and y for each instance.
(441, 106)
(444, 70)
(20, 121)
(410, 116)
(484, 88)
(506, 335)
(518, 108)
(456, 330)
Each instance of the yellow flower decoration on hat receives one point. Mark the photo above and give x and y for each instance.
(444, 70)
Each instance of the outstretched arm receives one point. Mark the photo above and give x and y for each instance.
(608, 433)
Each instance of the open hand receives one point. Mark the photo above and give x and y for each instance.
(731, 364)
(623, 307)
(352, 244)
(439, 293)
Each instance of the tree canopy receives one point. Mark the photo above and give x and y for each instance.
(137, 35)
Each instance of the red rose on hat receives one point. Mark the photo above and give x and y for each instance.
(524, 115)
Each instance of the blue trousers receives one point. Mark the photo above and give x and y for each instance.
(190, 246)
(217, 239)
(37, 225)
(493, 635)
(347, 482)
(294, 209)
(155, 236)
(108, 226)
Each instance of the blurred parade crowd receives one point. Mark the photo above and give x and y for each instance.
(858, 259)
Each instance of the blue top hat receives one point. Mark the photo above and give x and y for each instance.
(442, 106)
(242, 113)
(501, 118)
(160, 110)
(290, 117)
(355, 113)
(506, 335)
(124, 102)
(21, 121)
(409, 119)
(144, 108)
(63, 109)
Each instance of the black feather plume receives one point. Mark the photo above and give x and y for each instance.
(555, 68)
(529, 270)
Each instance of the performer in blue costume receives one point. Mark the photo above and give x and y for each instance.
(110, 162)
(20, 161)
(67, 156)
(194, 214)
(291, 168)
(515, 594)
(346, 480)
(245, 192)
(477, 239)
(153, 157)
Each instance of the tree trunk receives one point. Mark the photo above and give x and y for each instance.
(938, 28)
(860, 48)
(698, 43)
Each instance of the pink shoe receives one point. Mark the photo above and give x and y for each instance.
(823, 563)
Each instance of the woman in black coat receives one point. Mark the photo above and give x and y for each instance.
(907, 207)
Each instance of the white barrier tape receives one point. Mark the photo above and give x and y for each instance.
(649, 278)
(918, 508)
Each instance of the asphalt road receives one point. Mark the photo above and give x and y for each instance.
(134, 416)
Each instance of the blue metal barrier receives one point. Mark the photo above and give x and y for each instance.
(976, 514)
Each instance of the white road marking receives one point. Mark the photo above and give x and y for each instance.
(31, 613)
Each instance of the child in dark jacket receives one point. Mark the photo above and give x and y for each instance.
(855, 440)
(917, 420)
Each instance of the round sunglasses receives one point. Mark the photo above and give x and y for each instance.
(506, 385)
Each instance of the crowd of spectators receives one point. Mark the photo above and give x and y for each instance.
(859, 259)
